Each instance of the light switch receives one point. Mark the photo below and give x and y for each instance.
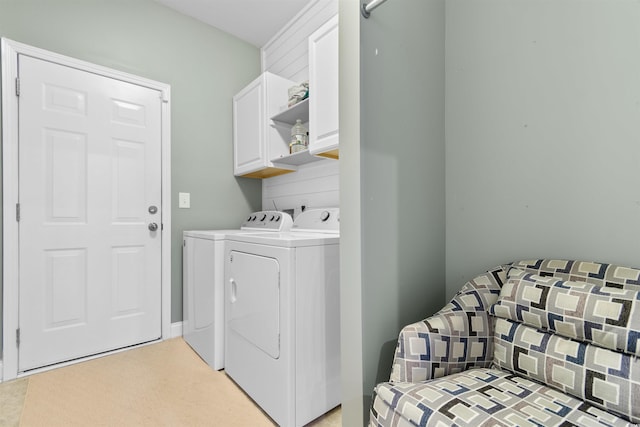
(184, 200)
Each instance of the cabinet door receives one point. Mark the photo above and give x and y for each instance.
(248, 128)
(323, 90)
(256, 139)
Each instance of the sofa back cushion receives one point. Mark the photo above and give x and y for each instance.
(601, 315)
(583, 271)
(573, 326)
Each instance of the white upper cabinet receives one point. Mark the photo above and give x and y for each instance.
(256, 138)
(323, 90)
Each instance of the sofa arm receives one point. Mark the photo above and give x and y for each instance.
(456, 338)
(443, 344)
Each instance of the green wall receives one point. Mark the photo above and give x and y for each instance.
(402, 175)
(350, 212)
(522, 117)
(543, 131)
(205, 68)
(399, 170)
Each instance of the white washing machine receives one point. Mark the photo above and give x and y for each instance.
(203, 282)
(282, 335)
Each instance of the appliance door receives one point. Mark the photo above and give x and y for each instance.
(254, 300)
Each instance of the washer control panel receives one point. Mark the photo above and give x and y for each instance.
(268, 220)
(322, 220)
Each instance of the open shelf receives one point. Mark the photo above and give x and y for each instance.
(293, 113)
(268, 172)
(296, 159)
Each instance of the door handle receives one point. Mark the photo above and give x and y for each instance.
(234, 291)
(153, 226)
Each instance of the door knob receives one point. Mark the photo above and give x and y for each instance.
(153, 226)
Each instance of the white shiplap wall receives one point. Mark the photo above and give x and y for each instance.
(315, 186)
(286, 54)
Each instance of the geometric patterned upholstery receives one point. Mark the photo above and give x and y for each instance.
(440, 374)
(606, 316)
(457, 338)
(604, 378)
(482, 397)
(582, 271)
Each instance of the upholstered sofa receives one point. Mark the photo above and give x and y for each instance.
(530, 343)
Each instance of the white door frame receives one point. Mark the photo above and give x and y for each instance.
(10, 242)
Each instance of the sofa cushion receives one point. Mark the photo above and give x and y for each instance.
(583, 271)
(482, 397)
(458, 337)
(603, 315)
(607, 379)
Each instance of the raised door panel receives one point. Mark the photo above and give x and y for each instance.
(65, 158)
(65, 288)
(324, 89)
(128, 282)
(128, 169)
(248, 129)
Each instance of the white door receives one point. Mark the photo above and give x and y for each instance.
(89, 174)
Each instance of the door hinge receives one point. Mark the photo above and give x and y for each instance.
(18, 337)
(17, 86)
(18, 212)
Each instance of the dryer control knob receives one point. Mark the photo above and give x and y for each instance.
(325, 215)
(263, 217)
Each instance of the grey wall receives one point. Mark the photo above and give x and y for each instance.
(350, 212)
(541, 105)
(543, 132)
(401, 184)
(205, 68)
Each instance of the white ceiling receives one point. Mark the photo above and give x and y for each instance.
(255, 21)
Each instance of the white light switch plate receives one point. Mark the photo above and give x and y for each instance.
(184, 200)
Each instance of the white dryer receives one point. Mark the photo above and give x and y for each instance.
(282, 335)
(203, 282)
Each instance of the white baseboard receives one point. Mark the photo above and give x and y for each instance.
(176, 330)
(1, 372)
